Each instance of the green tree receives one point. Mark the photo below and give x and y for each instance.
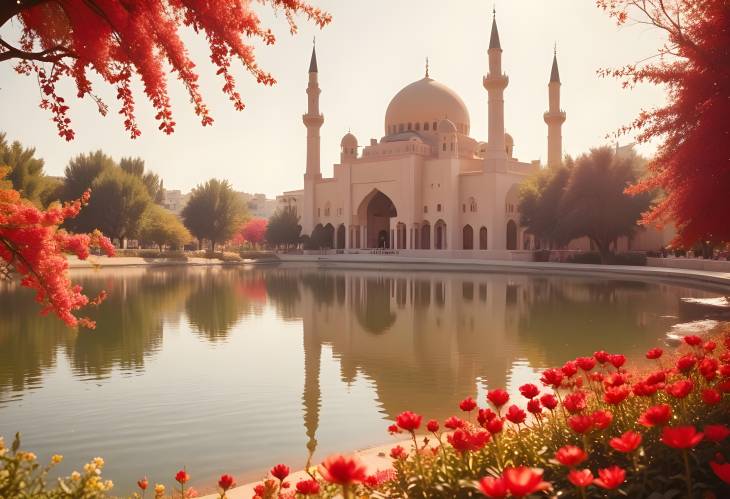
(539, 203)
(82, 171)
(152, 182)
(283, 228)
(26, 172)
(594, 203)
(161, 227)
(213, 212)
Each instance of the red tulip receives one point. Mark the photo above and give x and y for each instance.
(654, 353)
(495, 425)
(610, 478)
(466, 441)
(182, 477)
(692, 340)
(580, 423)
(586, 363)
(549, 401)
(656, 377)
(398, 452)
(143, 484)
(710, 396)
(260, 490)
(580, 478)
(280, 471)
(681, 437)
(225, 482)
(716, 432)
(644, 389)
(708, 368)
(453, 423)
(468, 404)
(493, 487)
(570, 368)
(617, 360)
(432, 426)
(570, 456)
(709, 346)
(485, 415)
(523, 481)
(616, 395)
(342, 470)
(393, 429)
(552, 377)
(657, 415)
(498, 397)
(308, 487)
(685, 363)
(722, 470)
(615, 379)
(529, 391)
(602, 419)
(409, 421)
(680, 389)
(628, 442)
(601, 356)
(533, 406)
(575, 401)
(516, 415)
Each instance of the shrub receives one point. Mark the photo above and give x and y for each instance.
(590, 257)
(634, 258)
(542, 255)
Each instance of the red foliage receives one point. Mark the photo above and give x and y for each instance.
(343, 470)
(691, 164)
(119, 38)
(32, 243)
(252, 231)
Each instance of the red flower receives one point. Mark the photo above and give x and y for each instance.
(580, 478)
(549, 401)
(225, 482)
(485, 415)
(580, 423)
(657, 415)
(602, 419)
(709, 346)
(533, 406)
(467, 405)
(708, 368)
(493, 487)
(710, 396)
(515, 414)
(409, 421)
(570, 456)
(260, 490)
(529, 391)
(280, 471)
(680, 389)
(453, 423)
(498, 397)
(575, 401)
(143, 484)
(616, 394)
(656, 377)
(681, 437)
(464, 440)
(495, 425)
(393, 429)
(182, 477)
(610, 478)
(432, 426)
(722, 470)
(570, 368)
(523, 481)
(617, 360)
(586, 363)
(308, 487)
(692, 340)
(628, 442)
(342, 470)
(654, 353)
(601, 356)
(552, 377)
(398, 452)
(685, 363)
(716, 432)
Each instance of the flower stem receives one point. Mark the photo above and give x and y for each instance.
(688, 475)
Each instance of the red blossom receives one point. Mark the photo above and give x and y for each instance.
(342, 470)
(575, 401)
(680, 389)
(225, 482)
(533, 406)
(617, 360)
(308, 487)
(143, 484)
(602, 419)
(453, 423)
(549, 401)
(580, 423)
(628, 442)
(398, 452)
(409, 421)
(601, 356)
(393, 429)
(515, 414)
(466, 441)
(485, 415)
(654, 353)
(681, 437)
(529, 391)
(692, 340)
(708, 368)
(586, 363)
(280, 471)
(493, 487)
(580, 478)
(468, 404)
(182, 477)
(716, 432)
(616, 395)
(657, 415)
(721, 470)
(498, 397)
(570, 368)
(570, 456)
(710, 396)
(552, 377)
(610, 478)
(432, 426)
(523, 481)
(685, 363)
(709, 346)
(495, 425)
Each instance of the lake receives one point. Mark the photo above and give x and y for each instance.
(236, 369)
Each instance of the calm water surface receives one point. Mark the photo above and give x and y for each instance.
(233, 370)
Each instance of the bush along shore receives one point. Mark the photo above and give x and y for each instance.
(594, 427)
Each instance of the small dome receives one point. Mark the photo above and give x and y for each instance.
(349, 140)
(446, 126)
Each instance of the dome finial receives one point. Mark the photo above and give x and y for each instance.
(426, 67)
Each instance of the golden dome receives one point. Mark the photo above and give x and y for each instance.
(422, 104)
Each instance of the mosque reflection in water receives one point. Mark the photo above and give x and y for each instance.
(425, 339)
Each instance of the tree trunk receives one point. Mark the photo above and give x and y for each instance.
(604, 249)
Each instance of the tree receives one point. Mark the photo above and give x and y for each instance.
(213, 212)
(251, 231)
(161, 227)
(594, 203)
(283, 228)
(691, 164)
(116, 39)
(82, 171)
(26, 172)
(152, 182)
(539, 204)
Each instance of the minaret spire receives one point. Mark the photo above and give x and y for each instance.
(313, 120)
(313, 60)
(494, 37)
(426, 67)
(554, 117)
(495, 82)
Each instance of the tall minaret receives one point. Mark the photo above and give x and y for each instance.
(495, 82)
(555, 117)
(313, 120)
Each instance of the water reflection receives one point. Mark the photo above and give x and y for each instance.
(422, 340)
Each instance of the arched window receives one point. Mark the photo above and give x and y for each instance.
(468, 237)
(472, 205)
(409, 126)
(438, 207)
(511, 235)
(483, 238)
(418, 127)
(425, 126)
(434, 126)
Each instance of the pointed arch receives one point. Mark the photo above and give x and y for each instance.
(511, 235)
(483, 238)
(467, 235)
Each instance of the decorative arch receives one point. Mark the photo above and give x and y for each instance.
(511, 235)
(467, 234)
(328, 236)
(425, 236)
(375, 212)
(483, 238)
(341, 236)
(439, 235)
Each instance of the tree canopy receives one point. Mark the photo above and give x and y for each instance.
(152, 182)
(252, 231)
(691, 164)
(26, 173)
(161, 227)
(539, 204)
(283, 228)
(117, 40)
(213, 212)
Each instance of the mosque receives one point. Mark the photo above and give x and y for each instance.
(426, 184)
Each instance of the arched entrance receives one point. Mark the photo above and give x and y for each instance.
(425, 236)
(341, 236)
(511, 235)
(439, 235)
(375, 213)
(483, 238)
(468, 237)
(328, 235)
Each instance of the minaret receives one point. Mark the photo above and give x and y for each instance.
(555, 117)
(495, 82)
(313, 120)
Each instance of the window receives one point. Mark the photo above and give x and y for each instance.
(438, 207)
(409, 126)
(418, 127)
(425, 126)
(425, 209)
(444, 146)
(463, 208)
(319, 212)
(434, 126)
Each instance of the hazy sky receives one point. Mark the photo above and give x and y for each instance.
(371, 50)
